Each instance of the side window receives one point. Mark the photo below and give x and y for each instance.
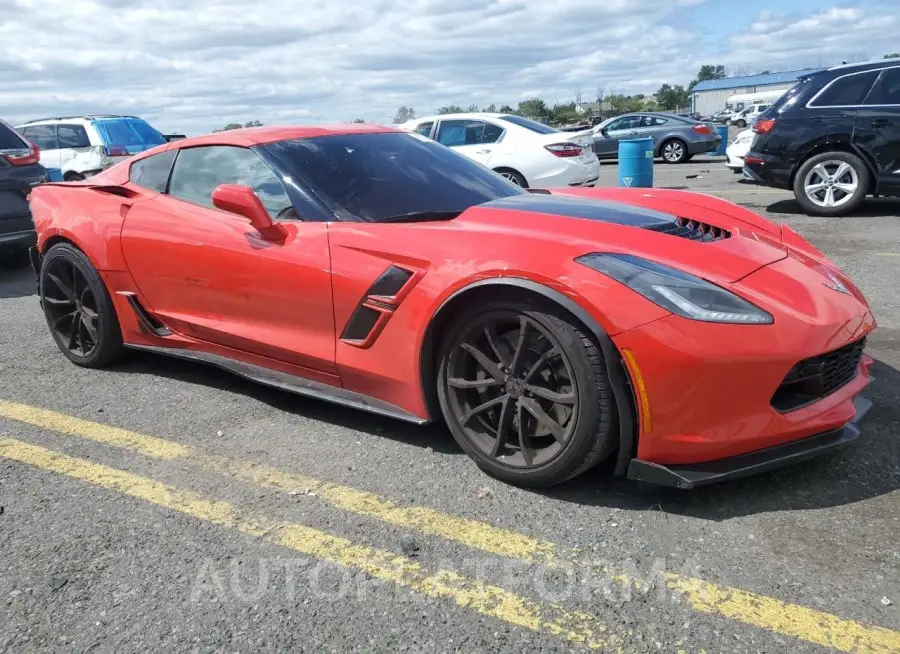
(73, 136)
(43, 136)
(628, 122)
(887, 90)
(654, 121)
(467, 132)
(153, 172)
(198, 171)
(849, 91)
(425, 128)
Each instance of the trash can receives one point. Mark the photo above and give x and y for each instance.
(636, 162)
(723, 144)
(55, 174)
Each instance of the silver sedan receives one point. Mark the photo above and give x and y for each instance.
(676, 138)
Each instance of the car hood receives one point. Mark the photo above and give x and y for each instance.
(684, 234)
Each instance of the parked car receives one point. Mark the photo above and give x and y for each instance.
(676, 139)
(549, 331)
(721, 117)
(526, 152)
(748, 115)
(20, 172)
(834, 138)
(734, 154)
(81, 146)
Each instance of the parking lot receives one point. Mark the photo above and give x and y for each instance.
(164, 505)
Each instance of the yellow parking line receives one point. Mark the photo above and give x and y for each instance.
(743, 606)
(483, 598)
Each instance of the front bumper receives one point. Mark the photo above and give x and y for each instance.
(700, 474)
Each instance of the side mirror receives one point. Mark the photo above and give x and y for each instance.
(241, 200)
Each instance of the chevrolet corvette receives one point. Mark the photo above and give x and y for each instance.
(678, 336)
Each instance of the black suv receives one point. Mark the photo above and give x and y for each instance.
(834, 138)
(19, 172)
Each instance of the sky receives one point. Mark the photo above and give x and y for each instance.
(190, 67)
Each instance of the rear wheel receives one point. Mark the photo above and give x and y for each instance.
(78, 308)
(515, 177)
(831, 184)
(525, 393)
(674, 151)
(72, 176)
(740, 122)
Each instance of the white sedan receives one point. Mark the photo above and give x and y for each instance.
(526, 152)
(735, 153)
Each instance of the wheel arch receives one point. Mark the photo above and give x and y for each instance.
(666, 139)
(838, 146)
(480, 291)
(497, 169)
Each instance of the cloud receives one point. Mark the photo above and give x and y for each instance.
(191, 67)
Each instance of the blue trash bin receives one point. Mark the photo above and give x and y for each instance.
(636, 162)
(55, 174)
(723, 144)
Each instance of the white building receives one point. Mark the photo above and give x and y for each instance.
(709, 96)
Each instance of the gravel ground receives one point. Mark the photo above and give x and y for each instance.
(94, 564)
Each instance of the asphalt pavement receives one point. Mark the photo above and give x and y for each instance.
(161, 505)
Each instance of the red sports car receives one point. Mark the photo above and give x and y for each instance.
(688, 338)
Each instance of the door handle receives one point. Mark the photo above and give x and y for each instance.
(486, 151)
(881, 122)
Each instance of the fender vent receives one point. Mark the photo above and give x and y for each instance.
(389, 282)
(360, 324)
(693, 230)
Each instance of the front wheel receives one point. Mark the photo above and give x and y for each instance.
(78, 309)
(525, 393)
(740, 123)
(674, 151)
(515, 177)
(831, 184)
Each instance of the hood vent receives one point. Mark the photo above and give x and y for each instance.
(693, 230)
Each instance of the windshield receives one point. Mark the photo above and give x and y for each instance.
(527, 123)
(378, 176)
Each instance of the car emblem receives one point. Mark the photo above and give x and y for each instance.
(836, 285)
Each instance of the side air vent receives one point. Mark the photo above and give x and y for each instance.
(389, 282)
(360, 324)
(147, 320)
(693, 230)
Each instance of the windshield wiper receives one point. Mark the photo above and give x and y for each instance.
(420, 216)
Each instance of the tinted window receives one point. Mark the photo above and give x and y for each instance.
(791, 94)
(371, 177)
(467, 132)
(847, 91)
(153, 172)
(654, 121)
(72, 136)
(128, 132)
(43, 136)
(527, 123)
(626, 122)
(198, 171)
(425, 128)
(887, 90)
(9, 139)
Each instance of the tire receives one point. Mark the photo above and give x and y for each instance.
(514, 176)
(674, 151)
(740, 123)
(73, 177)
(848, 176)
(576, 442)
(91, 346)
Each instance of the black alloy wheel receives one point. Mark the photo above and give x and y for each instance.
(526, 395)
(78, 309)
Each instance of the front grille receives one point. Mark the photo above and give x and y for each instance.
(693, 230)
(818, 377)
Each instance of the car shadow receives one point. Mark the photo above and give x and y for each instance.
(16, 280)
(871, 208)
(866, 468)
(434, 436)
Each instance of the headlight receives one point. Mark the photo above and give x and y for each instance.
(677, 291)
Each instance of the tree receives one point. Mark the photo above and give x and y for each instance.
(623, 104)
(490, 109)
(358, 120)
(473, 108)
(451, 109)
(765, 72)
(403, 114)
(564, 113)
(534, 108)
(506, 109)
(893, 55)
(707, 72)
(253, 123)
(671, 97)
(250, 123)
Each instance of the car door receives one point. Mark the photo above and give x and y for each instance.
(44, 136)
(606, 140)
(206, 273)
(877, 129)
(472, 138)
(73, 143)
(654, 127)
